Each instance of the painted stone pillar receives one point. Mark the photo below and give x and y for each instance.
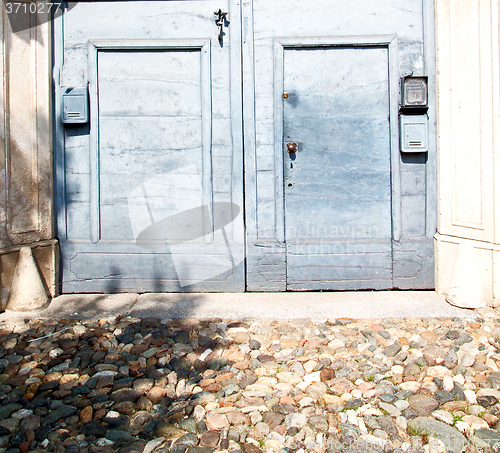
(26, 183)
(467, 244)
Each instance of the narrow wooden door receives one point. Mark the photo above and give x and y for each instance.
(337, 164)
(150, 191)
(345, 209)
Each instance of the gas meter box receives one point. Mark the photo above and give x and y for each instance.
(75, 105)
(414, 133)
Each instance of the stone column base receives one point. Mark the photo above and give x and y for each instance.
(467, 271)
(46, 254)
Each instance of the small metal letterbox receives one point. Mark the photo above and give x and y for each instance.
(75, 105)
(414, 134)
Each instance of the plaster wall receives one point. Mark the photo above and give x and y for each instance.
(467, 244)
(26, 216)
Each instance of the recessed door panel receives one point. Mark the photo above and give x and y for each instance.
(153, 115)
(338, 182)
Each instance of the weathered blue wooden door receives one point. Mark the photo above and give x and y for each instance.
(150, 190)
(332, 203)
(337, 161)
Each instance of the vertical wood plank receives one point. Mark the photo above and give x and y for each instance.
(236, 116)
(94, 190)
(59, 155)
(206, 115)
(394, 130)
(278, 141)
(249, 124)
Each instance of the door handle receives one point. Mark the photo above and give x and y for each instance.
(291, 147)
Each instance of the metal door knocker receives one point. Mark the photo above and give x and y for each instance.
(221, 21)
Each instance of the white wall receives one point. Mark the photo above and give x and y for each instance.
(467, 243)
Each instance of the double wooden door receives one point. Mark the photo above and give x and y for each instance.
(231, 147)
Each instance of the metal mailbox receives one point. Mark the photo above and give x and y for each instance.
(413, 133)
(75, 105)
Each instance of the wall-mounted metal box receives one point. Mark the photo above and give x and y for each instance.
(414, 135)
(75, 105)
(414, 92)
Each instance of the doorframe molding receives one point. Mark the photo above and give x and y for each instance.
(58, 131)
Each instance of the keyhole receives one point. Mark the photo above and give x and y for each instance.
(291, 165)
(290, 185)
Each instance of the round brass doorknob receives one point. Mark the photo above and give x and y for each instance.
(291, 147)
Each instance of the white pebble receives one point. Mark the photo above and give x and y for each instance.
(397, 369)
(471, 396)
(55, 352)
(401, 404)
(153, 444)
(401, 423)
(205, 354)
(346, 397)
(352, 417)
(381, 434)
(362, 427)
(475, 422)
(312, 377)
(356, 393)
(491, 364)
(467, 360)
(306, 401)
(443, 416)
(272, 445)
(435, 446)
(301, 385)
(199, 413)
(413, 386)
(21, 413)
(448, 383)
(211, 406)
(459, 378)
(79, 330)
(255, 417)
(310, 365)
(475, 409)
(430, 386)
(463, 427)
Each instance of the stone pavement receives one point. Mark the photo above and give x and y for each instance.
(126, 383)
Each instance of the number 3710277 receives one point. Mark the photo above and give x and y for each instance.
(31, 7)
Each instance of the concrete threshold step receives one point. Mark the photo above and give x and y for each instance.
(286, 305)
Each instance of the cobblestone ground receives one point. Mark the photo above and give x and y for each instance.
(199, 386)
